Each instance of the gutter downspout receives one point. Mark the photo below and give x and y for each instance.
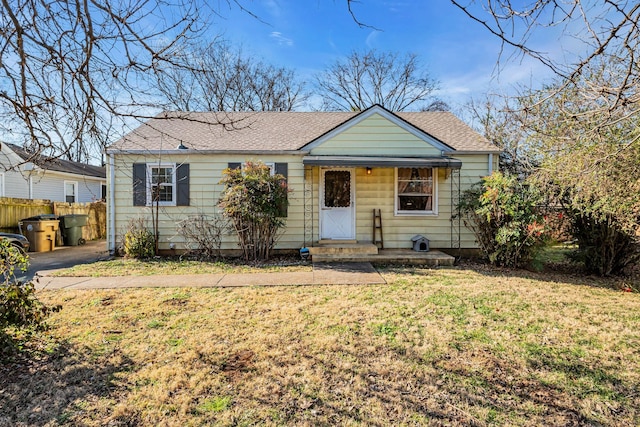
(112, 202)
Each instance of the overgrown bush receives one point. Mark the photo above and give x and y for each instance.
(203, 234)
(139, 241)
(502, 213)
(253, 200)
(21, 312)
(604, 246)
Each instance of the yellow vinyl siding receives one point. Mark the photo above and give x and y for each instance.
(375, 191)
(375, 136)
(204, 177)
(474, 168)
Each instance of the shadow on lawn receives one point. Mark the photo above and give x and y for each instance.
(448, 390)
(344, 267)
(570, 274)
(54, 389)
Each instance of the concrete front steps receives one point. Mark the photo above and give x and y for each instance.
(353, 251)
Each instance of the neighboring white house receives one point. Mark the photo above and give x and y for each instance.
(340, 166)
(27, 177)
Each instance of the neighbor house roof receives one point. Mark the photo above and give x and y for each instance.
(278, 131)
(58, 165)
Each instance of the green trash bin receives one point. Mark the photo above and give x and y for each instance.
(71, 227)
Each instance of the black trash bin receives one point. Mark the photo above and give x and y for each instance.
(71, 227)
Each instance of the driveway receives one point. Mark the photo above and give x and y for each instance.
(65, 256)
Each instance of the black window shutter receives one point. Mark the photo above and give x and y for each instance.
(234, 165)
(283, 169)
(139, 184)
(182, 183)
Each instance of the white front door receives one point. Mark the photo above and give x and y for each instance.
(337, 204)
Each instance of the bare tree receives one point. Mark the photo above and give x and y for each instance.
(604, 31)
(365, 78)
(498, 118)
(582, 130)
(67, 68)
(222, 78)
(436, 105)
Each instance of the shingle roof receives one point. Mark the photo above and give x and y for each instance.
(277, 131)
(59, 165)
(449, 129)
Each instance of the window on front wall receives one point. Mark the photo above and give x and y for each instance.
(151, 180)
(415, 191)
(161, 184)
(70, 191)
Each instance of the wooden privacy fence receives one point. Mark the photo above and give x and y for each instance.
(13, 210)
(96, 227)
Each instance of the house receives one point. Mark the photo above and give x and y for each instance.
(340, 167)
(27, 177)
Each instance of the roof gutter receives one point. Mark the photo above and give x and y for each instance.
(111, 235)
(194, 151)
(66, 174)
(419, 162)
(455, 153)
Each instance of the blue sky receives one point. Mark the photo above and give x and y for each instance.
(308, 35)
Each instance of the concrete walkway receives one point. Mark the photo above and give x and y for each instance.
(64, 257)
(322, 274)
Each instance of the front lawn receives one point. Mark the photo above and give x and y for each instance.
(432, 347)
(148, 267)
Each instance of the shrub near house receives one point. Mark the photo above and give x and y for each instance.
(255, 203)
(503, 213)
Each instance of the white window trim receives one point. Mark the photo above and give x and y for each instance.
(432, 212)
(75, 191)
(271, 166)
(150, 167)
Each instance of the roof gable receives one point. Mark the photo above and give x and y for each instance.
(8, 158)
(376, 131)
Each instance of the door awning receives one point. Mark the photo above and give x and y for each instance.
(407, 162)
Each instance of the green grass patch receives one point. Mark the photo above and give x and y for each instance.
(215, 404)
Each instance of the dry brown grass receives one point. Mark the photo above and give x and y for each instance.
(169, 266)
(432, 347)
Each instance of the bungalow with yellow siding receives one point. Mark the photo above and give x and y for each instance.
(352, 175)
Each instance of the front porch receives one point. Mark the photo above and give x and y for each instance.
(353, 251)
(353, 204)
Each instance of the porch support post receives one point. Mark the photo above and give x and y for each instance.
(308, 206)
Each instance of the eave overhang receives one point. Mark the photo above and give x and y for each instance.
(410, 162)
(110, 151)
